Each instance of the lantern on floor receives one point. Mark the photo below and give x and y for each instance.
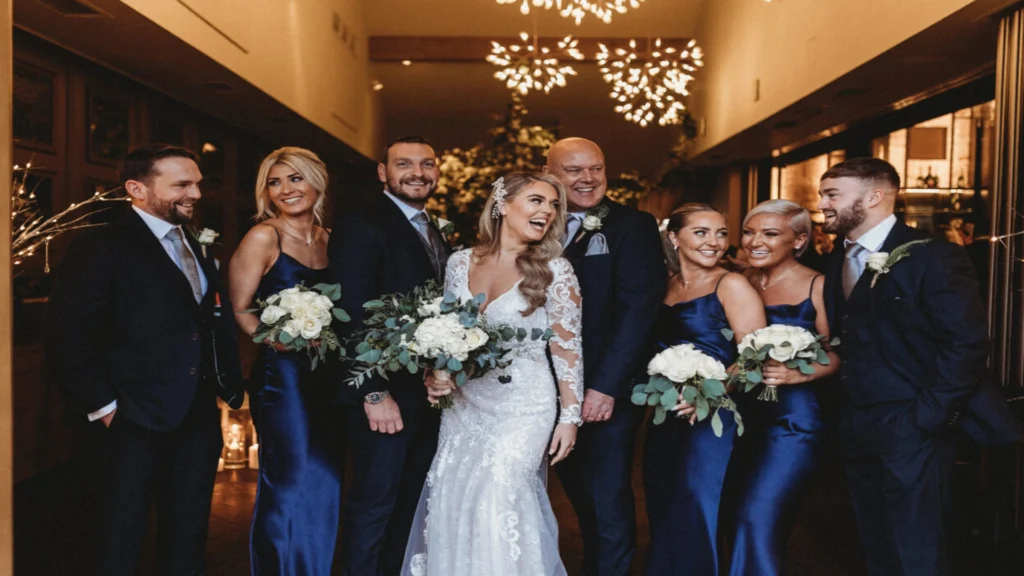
(235, 426)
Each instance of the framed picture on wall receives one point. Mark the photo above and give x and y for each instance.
(109, 121)
(33, 95)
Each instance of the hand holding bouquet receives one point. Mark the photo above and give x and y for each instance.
(792, 346)
(684, 373)
(428, 330)
(300, 318)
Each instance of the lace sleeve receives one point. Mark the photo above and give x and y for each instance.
(564, 308)
(458, 266)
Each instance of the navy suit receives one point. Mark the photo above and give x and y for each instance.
(124, 325)
(621, 291)
(374, 251)
(914, 350)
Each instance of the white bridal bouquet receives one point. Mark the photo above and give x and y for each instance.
(683, 372)
(299, 318)
(793, 346)
(429, 330)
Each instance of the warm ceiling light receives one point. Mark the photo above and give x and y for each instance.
(209, 148)
(406, 62)
(577, 9)
(650, 87)
(532, 67)
(377, 86)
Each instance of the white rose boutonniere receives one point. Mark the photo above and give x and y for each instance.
(446, 227)
(594, 220)
(883, 262)
(205, 237)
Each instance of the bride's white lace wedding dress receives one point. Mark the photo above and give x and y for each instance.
(484, 510)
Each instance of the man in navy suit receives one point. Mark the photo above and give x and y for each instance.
(389, 246)
(616, 254)
(141, 337)
(914, 349)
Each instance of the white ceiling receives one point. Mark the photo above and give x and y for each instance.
(667, 18)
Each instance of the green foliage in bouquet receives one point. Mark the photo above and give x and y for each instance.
(752, 358)
(708, 396)
(290, 321)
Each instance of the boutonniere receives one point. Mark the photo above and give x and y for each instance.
(882, 262)
(205, 237)
(594, 219)
(446, 227)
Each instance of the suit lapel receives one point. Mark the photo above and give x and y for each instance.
(152, 251)
(403, 229)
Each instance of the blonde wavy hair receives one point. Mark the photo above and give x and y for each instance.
(532, 263)
(303, 161)
(676, 222)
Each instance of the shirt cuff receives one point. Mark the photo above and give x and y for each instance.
(94, 416)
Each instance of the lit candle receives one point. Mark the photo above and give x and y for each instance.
(254, 456)
(220, 464)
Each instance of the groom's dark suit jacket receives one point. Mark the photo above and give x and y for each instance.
(123, 325)
(919, 335)
(375, 250)
(621, 292)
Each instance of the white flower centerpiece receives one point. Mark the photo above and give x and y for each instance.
(299, 318)
(428, 330)
(683, 372)
(795, 347)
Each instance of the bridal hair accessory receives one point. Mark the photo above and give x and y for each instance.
(498, 194)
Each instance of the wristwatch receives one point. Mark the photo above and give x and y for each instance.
(376, 397)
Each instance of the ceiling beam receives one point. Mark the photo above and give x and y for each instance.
(476, 48)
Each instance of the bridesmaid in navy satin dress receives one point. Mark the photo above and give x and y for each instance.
(783, 440)
(685, 464)
(295, 521)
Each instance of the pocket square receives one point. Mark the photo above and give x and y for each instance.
(598, 245)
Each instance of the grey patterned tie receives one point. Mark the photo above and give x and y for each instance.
(570, 230)
(422, 222)
(852, 268)
(189, 266)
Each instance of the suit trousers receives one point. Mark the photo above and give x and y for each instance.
(177, 470)
(900, 481)
(597, 478)
(389, 471)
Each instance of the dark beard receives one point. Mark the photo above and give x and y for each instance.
(395, 188)
(847, 220)
(168, 212)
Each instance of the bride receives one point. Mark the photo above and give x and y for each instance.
(484, 508)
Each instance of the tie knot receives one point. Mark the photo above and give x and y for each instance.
(421, 218)
(853, 250)
(175, 234)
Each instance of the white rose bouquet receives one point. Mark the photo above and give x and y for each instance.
(426, 330)
(299, 318)
(793, 346)
(685, 373)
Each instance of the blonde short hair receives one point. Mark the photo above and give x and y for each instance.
(799, 218)
(303, 161)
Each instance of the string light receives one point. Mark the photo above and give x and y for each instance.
(652, 87)
(533, 67)
(578, 9)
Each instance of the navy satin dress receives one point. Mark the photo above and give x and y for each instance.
(775, 458)
(685, 466)
(298, 500)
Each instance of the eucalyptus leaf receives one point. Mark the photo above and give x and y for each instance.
(822, 357)
(640, 389)
(702, 407)
(662, 384)
(654, 399)
(285, 338)
(806, 368)
(440, 363)
(373, 305)
(341, 315)
(716, 424)
(713, 387)
(739, 423)
(394, 366)
(659, 415)
(754, 377)
(689, 394)
(403, 356)
(460, 379)
(454, 365)
(640, 399)
(729, 334)
(412, 367)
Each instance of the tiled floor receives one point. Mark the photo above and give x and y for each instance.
(54, 514)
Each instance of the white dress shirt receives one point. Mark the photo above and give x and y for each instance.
(407, 210)
(160, 228)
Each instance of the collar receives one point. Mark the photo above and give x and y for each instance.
(157, 226)
(580, 215)
(407, 210)
(873, 239)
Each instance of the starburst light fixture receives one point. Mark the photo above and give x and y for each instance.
(532, 67)
(578, 9)
(650, 87)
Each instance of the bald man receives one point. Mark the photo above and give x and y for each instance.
(616, 253)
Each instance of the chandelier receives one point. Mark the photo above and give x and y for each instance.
(650, 87)
(532, 67)
(577, 9)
